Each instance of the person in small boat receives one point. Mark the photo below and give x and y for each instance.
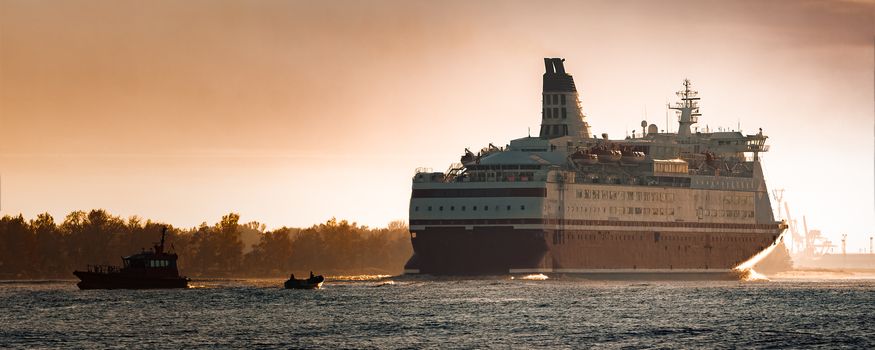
(311, 275)
(292, 277)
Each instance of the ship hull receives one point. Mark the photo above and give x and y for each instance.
(94, 280)
(480, 251)
(601, 253)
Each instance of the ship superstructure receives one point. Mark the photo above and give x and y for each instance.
(568, 201)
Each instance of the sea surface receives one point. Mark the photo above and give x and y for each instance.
(405, 312)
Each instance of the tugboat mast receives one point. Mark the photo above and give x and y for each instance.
(160, 248)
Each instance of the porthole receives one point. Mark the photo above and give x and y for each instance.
(441, 208)
(452, 207)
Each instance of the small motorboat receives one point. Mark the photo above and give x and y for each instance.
(314, 282)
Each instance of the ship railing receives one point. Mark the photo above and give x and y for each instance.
(103, 268)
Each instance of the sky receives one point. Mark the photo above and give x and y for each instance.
(293, 112)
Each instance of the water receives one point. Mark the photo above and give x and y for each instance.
(444, 313)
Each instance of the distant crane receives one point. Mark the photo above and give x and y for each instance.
(844, 239)
(815, 243)
(798, 242)
(778, 195)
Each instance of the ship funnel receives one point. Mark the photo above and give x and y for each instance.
(560, 67)
(561, 114)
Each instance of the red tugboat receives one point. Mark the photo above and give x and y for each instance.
(146, 270)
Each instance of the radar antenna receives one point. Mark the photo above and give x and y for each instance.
(688, 108)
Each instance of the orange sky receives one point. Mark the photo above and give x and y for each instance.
(293, 112)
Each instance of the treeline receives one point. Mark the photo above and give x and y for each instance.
(42, 248)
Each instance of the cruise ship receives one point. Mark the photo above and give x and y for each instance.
(688, 203)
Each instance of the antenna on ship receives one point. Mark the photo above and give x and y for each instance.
(688, 108)
(667, 127)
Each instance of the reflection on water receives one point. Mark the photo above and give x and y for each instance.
(416, 312)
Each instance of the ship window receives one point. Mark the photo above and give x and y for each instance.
(555, 112)
(452, 207)
(564, 112)
(562, 99)
(463, 208)
(429, 208)
(555, 99)
(474, 208)
(441, 208)
(485, 208)
(416, 209)
(508, 207)
(523, 207)
(547, 113)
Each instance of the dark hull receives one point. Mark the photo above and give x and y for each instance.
(92, 280)
(482, 251)
(599, 253)
(311, 283)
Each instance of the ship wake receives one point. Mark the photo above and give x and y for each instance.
(745, 271)
(535, 277)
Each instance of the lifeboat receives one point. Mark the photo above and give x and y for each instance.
(632, 156)
(468, 158)
(584, 157)
(609, 155)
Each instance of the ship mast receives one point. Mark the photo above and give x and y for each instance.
(688, 109)
(159, 249)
